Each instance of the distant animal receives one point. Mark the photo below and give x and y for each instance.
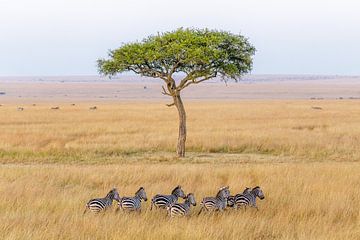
(97, 205)
(163, 201)
(217, 203)
(317, 108)
(231, 199)
(34, 104)
(73, 104)
(55, 108)
(182, 209)
(93, 108)
(249, 198)
(20, 109)
(145, 87)
(133, 203)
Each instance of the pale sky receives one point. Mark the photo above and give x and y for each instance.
(54, 37)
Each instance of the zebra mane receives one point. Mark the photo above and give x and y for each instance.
(141, 188)
(221, 190)
(187, 196)
(175, 189)
(111, 193)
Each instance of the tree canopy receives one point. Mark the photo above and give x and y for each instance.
(200, 54)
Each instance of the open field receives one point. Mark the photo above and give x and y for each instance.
(305, 154)
(118, 131)
(303, 201)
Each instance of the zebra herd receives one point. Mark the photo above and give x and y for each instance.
(220, 202)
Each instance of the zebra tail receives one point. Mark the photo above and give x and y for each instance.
(151, 206)
(86, 208)
(202, 208)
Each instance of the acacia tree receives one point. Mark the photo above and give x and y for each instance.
(195, 54)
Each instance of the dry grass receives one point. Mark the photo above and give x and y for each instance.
(306, 160)
(303, 201)
(282, 128)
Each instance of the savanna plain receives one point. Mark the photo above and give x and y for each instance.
(305, 155)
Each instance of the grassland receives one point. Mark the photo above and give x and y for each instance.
(303, 201)
(306, 160)
(280, 128)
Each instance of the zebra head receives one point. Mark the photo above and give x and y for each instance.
(113, 195)
(223, 193)
(141, 194)
(258, 192)
(191, 199)
(178, 192)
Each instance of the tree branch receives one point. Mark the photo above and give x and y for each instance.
(194, 81)
(170, 105)
(173, 69)
(164, 92)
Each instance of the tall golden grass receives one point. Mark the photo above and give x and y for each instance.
(306, 160)
(282, 128)
(302, 201)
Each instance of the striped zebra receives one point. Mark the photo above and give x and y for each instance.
(217, 203)
(133, 203)
(101, 204)
(163, 201)
(182, 209)
(231, 199)
(248, 198)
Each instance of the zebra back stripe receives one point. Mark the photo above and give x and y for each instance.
(163, 201)
(101, 204)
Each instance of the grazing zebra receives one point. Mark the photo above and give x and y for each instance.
(55, 108)
(163, 201)
(133, 203)
(20, 109)
(231, 199)
(101, 204)
(182, 209)
(248, 198)
(93, 108)
(217, 203)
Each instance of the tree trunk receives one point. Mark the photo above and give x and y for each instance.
(182, 126)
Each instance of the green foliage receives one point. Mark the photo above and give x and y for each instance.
(199, 54)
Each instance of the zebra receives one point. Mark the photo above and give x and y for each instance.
(231, 199)
(133, 203)
(101, 204)
(217, 203)
(182, 209)
(163, 201)
(248, 198)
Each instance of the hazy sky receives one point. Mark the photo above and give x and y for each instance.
(65, 37)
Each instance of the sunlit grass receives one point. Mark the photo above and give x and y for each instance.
(303, 201)
(306, 161)
(282, 128)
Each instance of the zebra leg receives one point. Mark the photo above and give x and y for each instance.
(151, 206)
